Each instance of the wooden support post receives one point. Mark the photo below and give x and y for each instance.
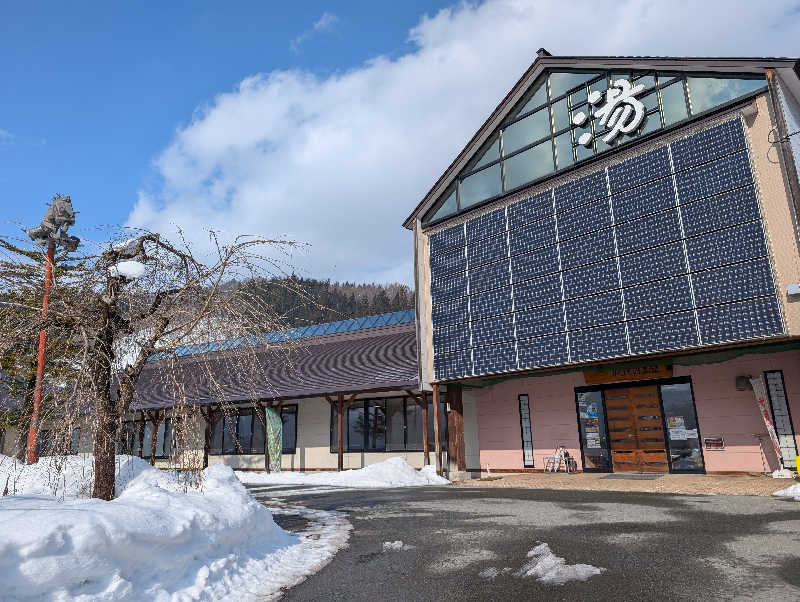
(340, 426)
(141, 434)
(207, 416)
(455, 427)
(158, 415)
(266, 438)
(437, 440)
(426, 446)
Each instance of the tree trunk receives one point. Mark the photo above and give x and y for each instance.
(104, 436)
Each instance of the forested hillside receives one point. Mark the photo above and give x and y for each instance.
(303, 301)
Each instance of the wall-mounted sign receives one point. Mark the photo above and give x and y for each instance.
(622, 111)
(603, 376)
(713, 442)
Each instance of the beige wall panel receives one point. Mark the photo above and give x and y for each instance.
(424, 317)
(776, 210)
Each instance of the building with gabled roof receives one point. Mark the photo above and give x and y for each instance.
(610, 267)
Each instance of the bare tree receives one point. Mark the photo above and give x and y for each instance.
(135, 304)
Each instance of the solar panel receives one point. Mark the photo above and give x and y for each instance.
(534, 235)
(550, 350)
(495, 358)
(683, 264)
(587, 249)
(721, 211)
(539, 321)
(492, 330)
(530, 209)
(497, 301)
(639, 170)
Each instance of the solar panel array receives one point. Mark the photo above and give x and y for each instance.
(662, 251)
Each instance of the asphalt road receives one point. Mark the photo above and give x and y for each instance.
(652, 547)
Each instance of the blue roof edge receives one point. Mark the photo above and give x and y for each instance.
(311, 331)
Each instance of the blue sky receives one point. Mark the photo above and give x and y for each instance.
(321, 122)
(92, 92)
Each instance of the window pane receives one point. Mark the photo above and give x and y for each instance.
(529, 165)
(594, 437)
(673, 103)
(564, 150)
(148, 439)
(650, 101)
(708, 92)
(584, 152)
(413, 426)
(245, 433)
(376, 425)
(216, 433)
(526, 131)
(257, 445)
(229, 443)
(169, 437)
(538, 99)
(160, 439)
(356, 427)
(679, 416)
(75, 441)
(648, 81)
(562, 82)
(480, 186)
(395, 420)
(448, 207)
(289, 419)
(651, 123)
(334, 429)
(560, 115)
(492, 153)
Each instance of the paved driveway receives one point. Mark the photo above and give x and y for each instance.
(652, 547)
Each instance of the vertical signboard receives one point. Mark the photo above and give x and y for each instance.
(760, 391)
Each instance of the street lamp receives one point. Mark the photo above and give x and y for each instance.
(50, 233)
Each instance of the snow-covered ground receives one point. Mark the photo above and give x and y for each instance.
(166, 536)
(792, 491)
(394, 472)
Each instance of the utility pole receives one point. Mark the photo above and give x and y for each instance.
(51, 232)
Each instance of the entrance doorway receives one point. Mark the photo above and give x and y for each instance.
(636, 429)
(645, 426)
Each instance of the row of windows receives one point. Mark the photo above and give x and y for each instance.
(243, 432)
(130, 437)
(539, 138)
(390, 424)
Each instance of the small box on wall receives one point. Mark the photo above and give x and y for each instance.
(713, 443)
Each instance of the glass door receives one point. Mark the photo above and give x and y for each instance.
(683, 437)
(593, 431)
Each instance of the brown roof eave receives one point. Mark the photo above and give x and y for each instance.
(728, 64)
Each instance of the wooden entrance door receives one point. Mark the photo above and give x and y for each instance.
(636, 430)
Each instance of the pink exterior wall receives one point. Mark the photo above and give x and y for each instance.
(721, 410)
(553, 420)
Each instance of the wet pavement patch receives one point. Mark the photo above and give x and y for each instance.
(294, 523)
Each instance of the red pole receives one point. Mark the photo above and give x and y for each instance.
(33, 433)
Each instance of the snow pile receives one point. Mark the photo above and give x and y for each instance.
(163, 538)
(128, 269)
(792, 491)
(394, 472)
(547, 568)
(398, 545)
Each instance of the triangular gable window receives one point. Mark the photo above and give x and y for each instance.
(559, 123)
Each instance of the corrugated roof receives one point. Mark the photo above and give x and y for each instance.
(379, 357)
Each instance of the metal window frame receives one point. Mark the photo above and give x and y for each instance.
(633, 74)
(522, 428)
(295, 412)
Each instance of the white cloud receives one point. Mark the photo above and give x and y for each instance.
(5, 134)
(339, 161)
(326, 22)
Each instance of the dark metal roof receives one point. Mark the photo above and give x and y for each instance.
(547, 61)
(376, 359)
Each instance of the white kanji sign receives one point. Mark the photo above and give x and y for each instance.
(622, 111)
